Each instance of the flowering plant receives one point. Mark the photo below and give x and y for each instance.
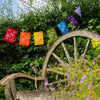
(82, 80)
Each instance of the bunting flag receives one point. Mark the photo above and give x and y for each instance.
(78, 11)
(72, 20)
(10, 35)
(52, 35)
(63, 27)
(24, 38)
(38, 38)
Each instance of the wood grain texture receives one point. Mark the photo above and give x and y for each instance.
(8, 78)
(86, 48)
(75, 33)
(66, 52)
(75, 49)
(57, 57)
(13, 88)
(58, 72)
(8, 92)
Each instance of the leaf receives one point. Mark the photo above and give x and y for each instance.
(98, 27)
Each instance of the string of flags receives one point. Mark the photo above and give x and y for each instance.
(38, 36)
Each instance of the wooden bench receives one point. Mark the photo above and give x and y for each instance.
(43, 94)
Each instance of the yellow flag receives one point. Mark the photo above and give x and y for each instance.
(38, 38)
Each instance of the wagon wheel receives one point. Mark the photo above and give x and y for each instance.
(61, 42)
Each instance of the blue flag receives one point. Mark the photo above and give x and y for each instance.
(63, 27)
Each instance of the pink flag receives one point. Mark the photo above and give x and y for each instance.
(10, 35)
(78, 11)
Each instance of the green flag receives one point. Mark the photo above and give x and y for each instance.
(52, 35)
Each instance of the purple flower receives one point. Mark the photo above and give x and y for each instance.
(62, 61)
(81, 81)
(88, 69)
(46, 83)
(48, 65)
(60, 79)
(70, 94)
(87, 97)
(72, 90)
(85, 62)
(86, 83)
(56, 63)
(61, 64)
(94, 62)
(34, 70)
(73, 82)
(33, 67)
(83, 77)
(67, 64)
(81, 62)
(60, 87)
(91, 82)
(92, 88)
(15, 98)
(66, 73)
(89, 87)
(74, 53)
(95, 86)
(97, 36)
(53, 89)
(82, 55)
(99, 98)
(50, 84)
(68, 56)
(85, 55)
(58, 67)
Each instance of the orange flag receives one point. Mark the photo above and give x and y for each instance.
(24, 38)
(38, 38)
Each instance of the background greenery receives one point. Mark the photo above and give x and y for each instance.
(15, 58)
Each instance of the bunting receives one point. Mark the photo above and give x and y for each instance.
(10, 35)
(52, 35)
(38, 38)
(78, 11)
(24, 38)
(72, 20)
(63, 27)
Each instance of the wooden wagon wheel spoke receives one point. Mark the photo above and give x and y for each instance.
(86, 48)
(66, 52)
(58, 82)
(95, 59)
(75, 50)
(58, 72)
(57, 57)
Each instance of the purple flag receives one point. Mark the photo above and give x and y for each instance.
(78, 11)
(72, 20)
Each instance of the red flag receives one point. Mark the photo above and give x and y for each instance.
(10, 35)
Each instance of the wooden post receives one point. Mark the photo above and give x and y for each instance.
(13, 88)
(8, 92)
